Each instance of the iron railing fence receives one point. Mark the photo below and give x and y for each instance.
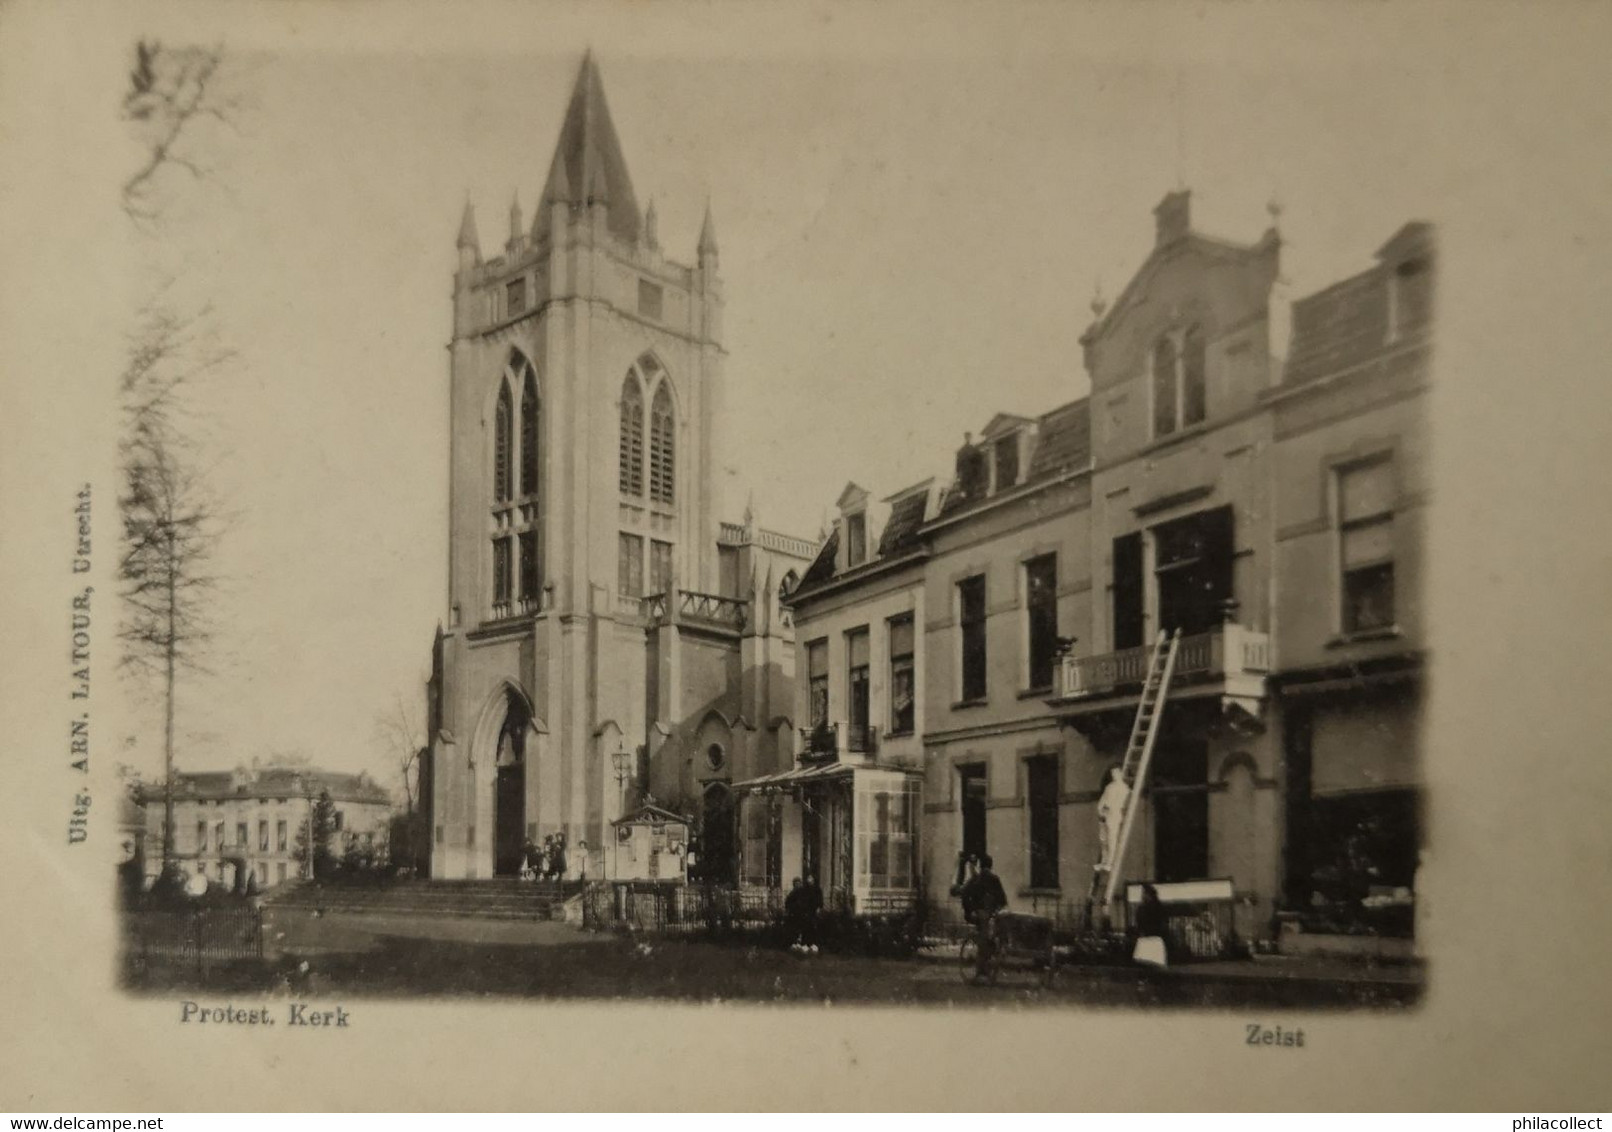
(193, 936)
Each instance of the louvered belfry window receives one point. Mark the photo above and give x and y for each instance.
(632, 437)
(501, 447)
(662, 448)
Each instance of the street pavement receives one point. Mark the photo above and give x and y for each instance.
(380, 956)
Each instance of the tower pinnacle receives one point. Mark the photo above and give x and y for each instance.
(708, 235)
(468, 240)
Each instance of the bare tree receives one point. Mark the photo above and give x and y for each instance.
(170, 533)
(172, 91)
(400, 733)
(171, 523)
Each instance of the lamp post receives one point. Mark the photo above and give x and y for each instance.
(621, 759)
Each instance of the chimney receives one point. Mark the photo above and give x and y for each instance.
(1173, 216)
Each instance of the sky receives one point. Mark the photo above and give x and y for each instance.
(910, 242)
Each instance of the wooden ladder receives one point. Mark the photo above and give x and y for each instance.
(1138, 754)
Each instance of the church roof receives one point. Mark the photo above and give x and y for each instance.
(588, 166)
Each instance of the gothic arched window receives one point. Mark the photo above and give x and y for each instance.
(501, 447)
(529, 433)
(662, 447)
(517, 567)
(632, 436)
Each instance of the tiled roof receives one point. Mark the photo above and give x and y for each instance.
(822, 567)
(906, 516)
(1345, 324)
(271, 782)
(1063, 441)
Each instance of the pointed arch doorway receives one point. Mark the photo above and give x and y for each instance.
(509, 789)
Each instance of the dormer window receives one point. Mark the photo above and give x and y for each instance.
(1410, 297)
(1007, 462)
(856, 539)
(971, 473)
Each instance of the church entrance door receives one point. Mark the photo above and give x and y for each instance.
(509, 792)
(509, 819)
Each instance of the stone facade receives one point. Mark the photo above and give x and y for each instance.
(603, 624)
(251, 818)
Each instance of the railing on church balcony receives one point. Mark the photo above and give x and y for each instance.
(695, 607)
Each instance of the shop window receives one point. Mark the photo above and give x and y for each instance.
(903, 691)
(1366, 542)
(1041, 788)
(885, 823)
(1180, 794)
(763, 844)
(971, 634)
(1041, 614)
(817, 682)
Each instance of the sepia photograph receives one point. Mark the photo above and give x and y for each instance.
(579, 514)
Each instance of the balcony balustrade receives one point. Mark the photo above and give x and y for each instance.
(1237, 655)
(700, 608)
(831, 742)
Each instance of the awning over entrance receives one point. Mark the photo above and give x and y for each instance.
(786, 779)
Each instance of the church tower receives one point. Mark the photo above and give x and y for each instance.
(586, 389)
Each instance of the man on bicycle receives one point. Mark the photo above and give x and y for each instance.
(982, 899)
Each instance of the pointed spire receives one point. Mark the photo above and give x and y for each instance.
(708, 235)
(516, 228)
(467, 231)
(651, 226)
(588, 166)
(558, 189)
